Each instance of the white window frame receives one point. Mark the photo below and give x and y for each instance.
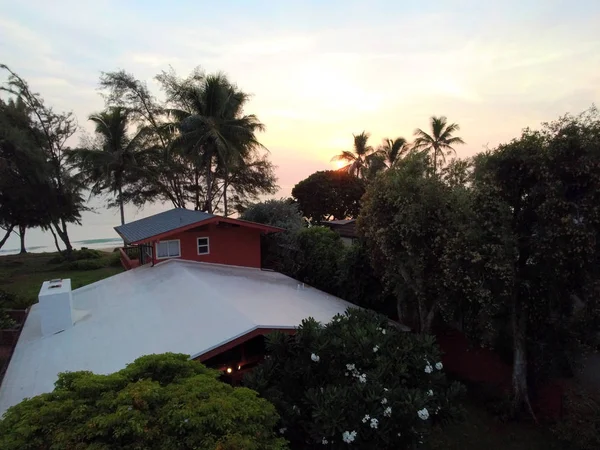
(207, 245)
(167, 241)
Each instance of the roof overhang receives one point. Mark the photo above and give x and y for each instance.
(212, 220)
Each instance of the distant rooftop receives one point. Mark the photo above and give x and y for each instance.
(164, 222)
(176, 306)
(339, 222)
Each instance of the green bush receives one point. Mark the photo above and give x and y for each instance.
(88, 264)
(319, 253)
(580, 427)
(355, 380)
(114, 260)
(157, 402)
(78, 255)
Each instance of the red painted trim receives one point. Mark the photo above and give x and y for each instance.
(240, 340)
(216, 219)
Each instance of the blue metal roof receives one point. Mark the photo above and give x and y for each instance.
(142, 229)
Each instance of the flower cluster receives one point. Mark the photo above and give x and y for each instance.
(324, 441)
(428, 368)
(439, 366)
(349, 436)
(387, 412)
(374, 423)
(423, 414)
(352, 370)
(315, 358)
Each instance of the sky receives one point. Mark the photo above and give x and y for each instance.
(319, 71)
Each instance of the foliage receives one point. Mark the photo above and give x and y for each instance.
(439, 142)
(538, 199)
(318, 257)
(199, 146)
(416, 228)
(87, 264)
(359, 284)
(6, 300)
(580, 427)
(114, 160)
(282, 213)
(63, 202)
(355, 379)
(157, 402)
(358, 160)
(329, 194)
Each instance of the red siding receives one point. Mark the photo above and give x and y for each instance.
(233, 245)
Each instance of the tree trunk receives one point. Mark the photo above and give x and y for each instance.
(55, 240)
(22, 229)
(208, 203)
(6, 236)
(121, 205)
(61, 230)
(225, 196)
(197, 188)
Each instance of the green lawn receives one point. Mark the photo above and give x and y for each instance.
(482, 431)
(23, 274)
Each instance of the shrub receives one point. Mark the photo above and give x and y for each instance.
(355, 379)
(114, 259)
(580, 427)
(319, 252)
(157, 402)
(87, 264)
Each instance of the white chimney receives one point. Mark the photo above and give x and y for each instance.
(56, 303)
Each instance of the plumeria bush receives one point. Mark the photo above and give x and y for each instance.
(157, 402)
(357, 382)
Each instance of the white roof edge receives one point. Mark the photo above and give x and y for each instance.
(203, 263)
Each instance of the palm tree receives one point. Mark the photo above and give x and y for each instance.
(358, 160)
(214, 132)
(110, 161)
(440, 141)
(392, 150)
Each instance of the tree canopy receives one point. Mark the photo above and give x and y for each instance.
(156, 402)
(330, 194)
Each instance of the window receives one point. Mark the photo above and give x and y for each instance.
(203, 248)
(168, 249)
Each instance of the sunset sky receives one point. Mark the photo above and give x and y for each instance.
(322, 70)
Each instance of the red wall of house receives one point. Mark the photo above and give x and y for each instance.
(237, 246)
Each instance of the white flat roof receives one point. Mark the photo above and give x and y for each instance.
(176, 306)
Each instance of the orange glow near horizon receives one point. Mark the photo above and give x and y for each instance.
(339, 164)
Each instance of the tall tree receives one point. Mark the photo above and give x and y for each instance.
(329, 194)
(439, 142)
(51, 131)
(358, 158)
(110, 161)
(393, 149)
(214, 132)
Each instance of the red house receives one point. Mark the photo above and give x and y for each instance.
(193, 236)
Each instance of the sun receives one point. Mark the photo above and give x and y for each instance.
(339, 164)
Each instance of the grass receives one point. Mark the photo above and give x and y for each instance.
(481, 430)
(23, 275)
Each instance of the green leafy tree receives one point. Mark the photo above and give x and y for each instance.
(51, 131)
(358, 159)
(415, 228)
(329, 194)
(355, 382)
(114, 158)
(538, 197)
(439, 142)
(157, 402)
(392, 150)
(319, 251)
(278, 249)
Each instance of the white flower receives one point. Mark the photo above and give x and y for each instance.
(315, 358)
(374, 423)
(282, 430)
(399, 434)
(366, 418)
(430, 393)
(382, 331)
(375, 349)
(428, 368)
(387, 412)
(186, 420)
(350, 367)
(384, 401)
(324, 441)
(439, 366)
(385, 389)
(423, 414)
(349, 436)
(362, 378)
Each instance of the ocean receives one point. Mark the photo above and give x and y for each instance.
(96, 229)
